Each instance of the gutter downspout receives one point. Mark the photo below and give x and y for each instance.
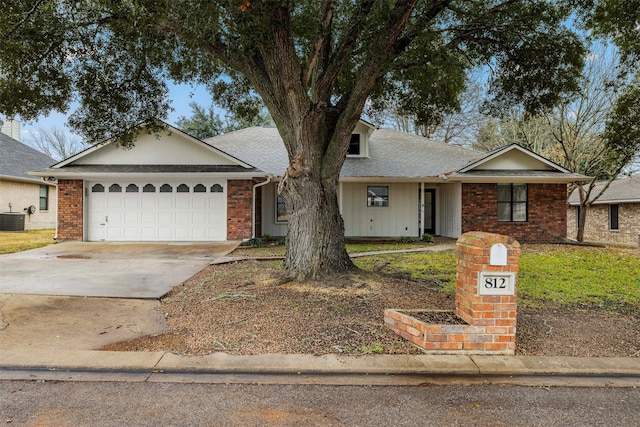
(253, 204)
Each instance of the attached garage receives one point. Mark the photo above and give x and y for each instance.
(168, 187)
(156, 211)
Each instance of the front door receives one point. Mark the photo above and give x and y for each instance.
(428, 211)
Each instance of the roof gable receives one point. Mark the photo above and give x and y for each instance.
(168, 147)
(513, 157)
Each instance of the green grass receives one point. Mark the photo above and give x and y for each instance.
(11, 242)
(559, 274)
(569, 275)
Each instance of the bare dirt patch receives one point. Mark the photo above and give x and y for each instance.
(250, 308)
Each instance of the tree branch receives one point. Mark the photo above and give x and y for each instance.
(27, 15)
(322, 42)
(340, 58)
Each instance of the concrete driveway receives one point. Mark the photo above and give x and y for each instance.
(120, 270)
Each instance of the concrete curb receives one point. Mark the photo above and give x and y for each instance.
(404, 369)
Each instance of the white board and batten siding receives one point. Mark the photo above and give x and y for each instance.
(399, 219)
(449, 208)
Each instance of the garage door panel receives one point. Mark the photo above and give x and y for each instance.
(166, 233)
(132, 233)
(165, 201)
(148, 217)
(166, 218)
(199, 203)
(151, 215)
(199, 218)
(148, 234)
(182, 218)
(149, 203)
(132, 202)
(183, 203)
(183, 233)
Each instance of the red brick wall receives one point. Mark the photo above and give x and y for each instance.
(70, 205)
(546, 211)
(239, 209)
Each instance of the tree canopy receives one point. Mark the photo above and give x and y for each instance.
(314, 64)
(116, 56)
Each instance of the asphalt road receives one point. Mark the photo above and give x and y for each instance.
(32, 403)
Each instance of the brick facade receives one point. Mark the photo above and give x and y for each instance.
(70, 209)
(597, 224)
(546, 212)
(239, 209)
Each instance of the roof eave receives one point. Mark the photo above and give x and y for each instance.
(26, 180)
(607, 202)
(518, 179)
(149, 175)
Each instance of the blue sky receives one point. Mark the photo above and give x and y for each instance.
(180, 96)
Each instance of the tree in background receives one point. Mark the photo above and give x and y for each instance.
(205, 123)
(202, 124)
(56, 143)
(574, 134)
(452, 126)
(313, 64)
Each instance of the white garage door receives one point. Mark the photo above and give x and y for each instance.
(157, 211)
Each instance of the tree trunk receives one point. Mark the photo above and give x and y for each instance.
(315, 236)
(582, 220)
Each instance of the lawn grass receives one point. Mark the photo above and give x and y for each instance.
(559, 274)
(11, 242)
(572, 275)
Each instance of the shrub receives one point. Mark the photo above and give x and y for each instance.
(426, 237)
(254, 242)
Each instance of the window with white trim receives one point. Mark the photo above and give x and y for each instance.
(355, 146)
(378, 196)
(44, 198)
(613, 217)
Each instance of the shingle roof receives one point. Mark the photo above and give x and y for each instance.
(391, 154)
(625, 190)
(16, 159)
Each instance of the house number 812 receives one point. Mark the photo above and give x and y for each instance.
(495, 283)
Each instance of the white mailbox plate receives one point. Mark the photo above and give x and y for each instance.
(490, 283)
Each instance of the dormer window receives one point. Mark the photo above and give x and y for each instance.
(354, 145)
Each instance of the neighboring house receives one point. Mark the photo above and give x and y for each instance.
(614, 217)
(173, 187)
(19, 191)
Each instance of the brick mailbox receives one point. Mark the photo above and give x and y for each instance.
(485, 304)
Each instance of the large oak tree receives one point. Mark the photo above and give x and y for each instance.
(313, 63)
